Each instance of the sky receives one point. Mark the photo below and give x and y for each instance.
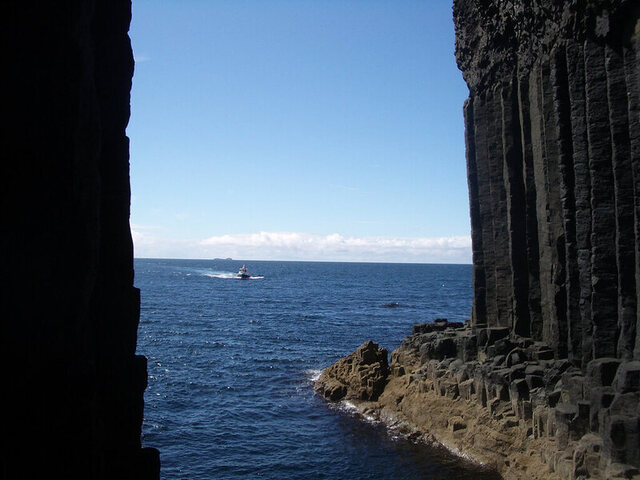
(324, 130)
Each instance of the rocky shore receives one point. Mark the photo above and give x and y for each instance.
(499, 400)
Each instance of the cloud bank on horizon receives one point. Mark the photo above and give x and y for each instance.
(149, 243)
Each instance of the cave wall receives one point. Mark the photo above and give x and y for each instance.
(553, 156)
(73, 384)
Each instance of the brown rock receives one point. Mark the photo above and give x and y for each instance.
(361, 375)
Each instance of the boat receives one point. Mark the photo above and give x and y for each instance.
(243, 273)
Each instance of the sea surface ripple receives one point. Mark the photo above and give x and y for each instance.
(231, 364)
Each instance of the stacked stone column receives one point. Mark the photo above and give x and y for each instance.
(552, 156)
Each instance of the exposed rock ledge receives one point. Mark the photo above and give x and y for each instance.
(521, 412)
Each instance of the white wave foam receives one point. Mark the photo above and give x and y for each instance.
(220, 275)
(369, 418)
(349, 406)
(312, 374)
(356, 411)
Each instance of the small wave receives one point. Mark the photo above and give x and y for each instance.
(312, 374)
(370, 418)
(366, 415)
(349, 406)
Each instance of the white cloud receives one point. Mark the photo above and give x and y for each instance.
(306, 246)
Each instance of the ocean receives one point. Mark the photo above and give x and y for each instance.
(231, 364)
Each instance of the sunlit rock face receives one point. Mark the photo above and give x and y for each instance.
(553, 156)
(73, 386)
(359, 376)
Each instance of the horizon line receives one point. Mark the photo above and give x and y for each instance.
(228, 259)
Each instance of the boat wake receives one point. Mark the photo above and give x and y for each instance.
(220, 275)
(230, 275)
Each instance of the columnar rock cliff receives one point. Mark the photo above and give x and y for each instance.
(544, 381)
(553, 154)
(72, 383)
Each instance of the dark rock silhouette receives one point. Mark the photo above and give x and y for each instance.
(73, 385)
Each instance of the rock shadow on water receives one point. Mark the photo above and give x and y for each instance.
(418, 455)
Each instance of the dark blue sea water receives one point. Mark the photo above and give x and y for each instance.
(231, 361)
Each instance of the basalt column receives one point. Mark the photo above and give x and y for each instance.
(553, 158)
(73, 385)
(632, 78)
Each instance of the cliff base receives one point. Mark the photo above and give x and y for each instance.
(518, 410)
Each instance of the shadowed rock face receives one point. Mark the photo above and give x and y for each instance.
(553, 158)
(73, 386)
(553, 154)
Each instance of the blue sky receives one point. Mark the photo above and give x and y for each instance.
(298, 130)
